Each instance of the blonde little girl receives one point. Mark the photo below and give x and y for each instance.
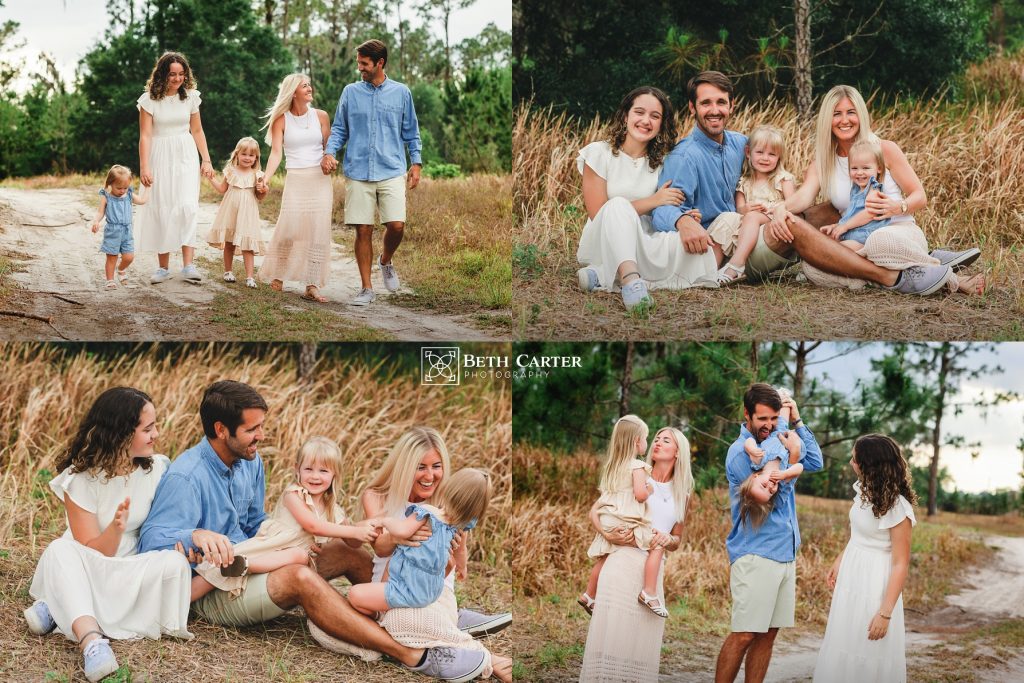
(867, 173)
(307, 513)
(116, 202)
(237, 224)
(765, 183)
(415, 574)
(623, 503)
(757, 493)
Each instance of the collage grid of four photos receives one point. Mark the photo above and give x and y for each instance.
(513, 340)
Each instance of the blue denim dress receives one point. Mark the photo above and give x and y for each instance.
(858, 198)
(117, 233)
(416, 574)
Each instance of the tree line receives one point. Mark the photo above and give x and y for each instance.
(910, 392)
(583, 56)
(239, 50)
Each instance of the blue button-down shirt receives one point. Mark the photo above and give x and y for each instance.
(200, 492)
(706, 172)
(778, 538)
(375, 124)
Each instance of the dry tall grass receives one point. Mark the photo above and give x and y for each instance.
(553, 494)
(968, 156)
(47, 393)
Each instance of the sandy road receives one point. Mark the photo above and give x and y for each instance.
(46, 233)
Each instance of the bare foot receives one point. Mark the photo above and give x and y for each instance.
(276, 285)
(973, 285)
(502, 668)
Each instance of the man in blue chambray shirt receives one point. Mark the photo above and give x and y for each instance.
(706, 166)
(762, 571)
(375, 122)
(212, 497)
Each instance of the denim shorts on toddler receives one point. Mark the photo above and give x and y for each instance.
(117, 239)
(860, 234)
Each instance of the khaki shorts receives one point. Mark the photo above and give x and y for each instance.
(763, 261)
(253, 606)
(364, 199)
(763, 594)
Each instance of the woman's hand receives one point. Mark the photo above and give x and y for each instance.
(421, 534)
(120, 520)
(880, 206)
(778, 227)
(660, 540)
(668, 195)
(146, 177)
(878, 627)
(206, 170)
(833, 572)
(620, 535)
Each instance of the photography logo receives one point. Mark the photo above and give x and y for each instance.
(439, 365)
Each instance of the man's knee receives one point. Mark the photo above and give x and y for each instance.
(395, 226)
(292, 584)
(781, 248)
(743, 639)
(364, 231)
(766, 638)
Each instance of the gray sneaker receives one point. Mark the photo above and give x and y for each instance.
(957, 260)
(365, 297)
(634, 293)
(588, 279)
(191, 273)
(99, 660)
(160, 275)
(478, 625)
(923, 280)
(389, 275)
(40, 621)
(451, 664)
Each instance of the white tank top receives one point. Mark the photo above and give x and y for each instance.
(841, 185)
(303, 140)
(661, 506)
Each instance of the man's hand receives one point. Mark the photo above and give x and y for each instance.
(414, 176)
(328, 164)
(216, 548)
(695, 238)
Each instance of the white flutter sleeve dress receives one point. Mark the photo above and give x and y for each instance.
(131, 595)
(617, 233)
(846, 654)
(168, 220)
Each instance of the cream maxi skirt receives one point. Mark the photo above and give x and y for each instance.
(300, 249)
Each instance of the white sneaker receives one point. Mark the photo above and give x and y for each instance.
(40, 621)
(250, 283)
(191, 273)
(160, 275)
(229, 276)
(389, 275)
(364, 298)
(99, 660)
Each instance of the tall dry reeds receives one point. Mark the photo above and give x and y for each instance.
(967, 154)
(46, 394)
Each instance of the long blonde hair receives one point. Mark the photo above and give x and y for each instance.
(682, 476)
(824, 144)
(285, 93)
(320, 450)
(616, 474)
(464, 496)
(773, 138)
(394, 480)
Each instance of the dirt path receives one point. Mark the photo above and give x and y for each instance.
(997, 593)
(46, 233)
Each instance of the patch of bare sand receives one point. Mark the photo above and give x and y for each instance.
(46, 232)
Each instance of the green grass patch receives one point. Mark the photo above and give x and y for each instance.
(7, 284)
(265, 315)
(466, 277)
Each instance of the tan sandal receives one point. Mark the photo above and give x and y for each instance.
(312, 293)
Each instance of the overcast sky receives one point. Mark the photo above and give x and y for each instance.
(68, 30)
(999, 463)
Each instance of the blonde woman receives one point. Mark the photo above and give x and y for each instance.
(896, 256)
(624, 639)
(301, 246)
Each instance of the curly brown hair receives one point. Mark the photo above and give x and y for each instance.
(663, 142)
(157, 83)
(884, 473)
(105, 434)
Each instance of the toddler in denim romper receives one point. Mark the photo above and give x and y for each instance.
(415, 574)
(116, 207)
(867, 172)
